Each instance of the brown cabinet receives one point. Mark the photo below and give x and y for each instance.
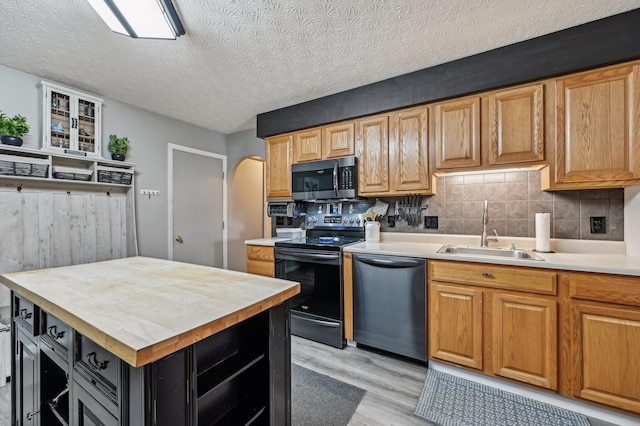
(457, 133)
(338, 140)
(605, 340)
(525, 339)
(372, 150)
(409, 151)
(597, 140)
(455, 324)
(516, 125)
(393, 154)
(279, 153)
(260, 260)
(496, 129)
(478, 314)
(307, 145)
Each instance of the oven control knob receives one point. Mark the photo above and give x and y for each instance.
(309, 222)
(358, 221)
(350, 220)
(345, 220)
(315, 219)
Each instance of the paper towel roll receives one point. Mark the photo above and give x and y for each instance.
(543, 231)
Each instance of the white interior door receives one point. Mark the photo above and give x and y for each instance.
(198, 199)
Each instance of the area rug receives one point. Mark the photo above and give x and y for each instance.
(317, 399)
(451, 401)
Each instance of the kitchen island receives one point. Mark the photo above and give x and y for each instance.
(142, 341)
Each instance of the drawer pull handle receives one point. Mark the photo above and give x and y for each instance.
(53, 332)
(487, 275)
(94, 363)
(25, 315)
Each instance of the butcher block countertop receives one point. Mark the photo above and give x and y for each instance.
(142, 309)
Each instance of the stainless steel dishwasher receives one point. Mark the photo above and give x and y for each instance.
(390, 304)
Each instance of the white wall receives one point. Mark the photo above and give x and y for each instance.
(148, 133)
(245, 183)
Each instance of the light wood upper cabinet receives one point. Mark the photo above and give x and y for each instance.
(605, 348)
(457, 133)
(597, 141)
(529, 356)
(338, 140)
(279, 153)
(409, 151)
(307, 145)
(516, 125)
(455, 324)
(372, 150)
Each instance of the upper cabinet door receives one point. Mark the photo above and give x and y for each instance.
(307, 145)
(408, 150)
(338, 140)
(598, 128)
(457, 133)
(279, 156)
(372, 149)
(516, 125)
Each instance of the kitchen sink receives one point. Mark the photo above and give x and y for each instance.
(490, 251)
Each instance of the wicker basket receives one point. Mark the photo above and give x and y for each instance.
(115, 176)
(13, 165)
(71, 173)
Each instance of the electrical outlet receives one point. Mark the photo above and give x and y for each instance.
(431, 222)
(391, 220)
(598, 224)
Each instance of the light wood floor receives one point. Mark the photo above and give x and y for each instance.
(393, 385)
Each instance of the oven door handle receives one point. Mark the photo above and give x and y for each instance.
(335, 176)
(308, 256)
(331, 324)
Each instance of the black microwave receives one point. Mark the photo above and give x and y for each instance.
(325, 180)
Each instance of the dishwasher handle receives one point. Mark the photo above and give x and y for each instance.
(390, 263)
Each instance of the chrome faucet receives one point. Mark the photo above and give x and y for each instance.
(484, 242)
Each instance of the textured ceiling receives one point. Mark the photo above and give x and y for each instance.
(240, 58)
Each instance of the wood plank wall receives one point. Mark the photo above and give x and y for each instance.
(43, 228)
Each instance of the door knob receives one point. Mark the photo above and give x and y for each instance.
(179, 239)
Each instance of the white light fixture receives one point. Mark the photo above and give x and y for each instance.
(140, 18)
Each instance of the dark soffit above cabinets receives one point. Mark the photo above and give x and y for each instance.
(598, 43)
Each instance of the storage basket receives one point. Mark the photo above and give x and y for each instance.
(71, 173)
(13, 165)
(113, 175)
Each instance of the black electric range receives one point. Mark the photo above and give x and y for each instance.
(317, 312)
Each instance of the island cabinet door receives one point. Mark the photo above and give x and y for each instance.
(169, 394)
(88, 411)
(26, 376)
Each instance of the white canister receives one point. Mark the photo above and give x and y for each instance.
(372, 231)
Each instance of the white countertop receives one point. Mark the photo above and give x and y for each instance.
(574, 255)
(142, 309)
(265, 241)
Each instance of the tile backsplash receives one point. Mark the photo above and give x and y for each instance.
(514, 198)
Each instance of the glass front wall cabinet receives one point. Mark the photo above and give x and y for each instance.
(72, 121)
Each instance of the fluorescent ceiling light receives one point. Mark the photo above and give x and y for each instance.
(140, 18)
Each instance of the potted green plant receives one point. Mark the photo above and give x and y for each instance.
(12, 129)
(118, 147)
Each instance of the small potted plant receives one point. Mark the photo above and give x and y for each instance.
(12, 129)
(118, 147)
